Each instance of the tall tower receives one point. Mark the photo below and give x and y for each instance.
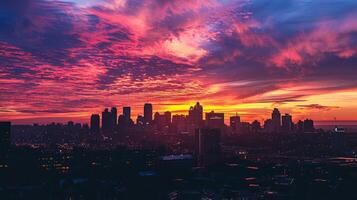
(207, 146)
(287, 123)
(95, 124)
(195, 115)
(127, 113)
(234, 122)
(114, 112)
(107, 120)
(276, 120)
(148, 113)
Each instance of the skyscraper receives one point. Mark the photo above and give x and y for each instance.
(207, 146)
(300, 126)
(140, 120)
(95, 124)
(215, 120)
(287, 123)
(167, 115)
(5, 132)
(309, 126)
(256, 127)
(114, 112)
(276, 120)
(195, 115)
(127, 113)
(159, 120)
(148, 113)
(107, 120)
(268, 126)
(234, 123)
(179, 122)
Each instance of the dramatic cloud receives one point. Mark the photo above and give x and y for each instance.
(70, 58)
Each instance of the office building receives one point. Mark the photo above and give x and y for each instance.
(148, 113)
(195, 115)
(215, 120)
(276, 120)
(167, 116)
(287, 123)
(95, 124)
(268, 126)
(5, 134)
(234, 123)
(114, 113)
(107, 121)
(140, 120)
(309, 126)
(127, 113)
(179, 123)
(207, 146)
(256, 127)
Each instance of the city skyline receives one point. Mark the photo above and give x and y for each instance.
(120, 112)
(64, 60)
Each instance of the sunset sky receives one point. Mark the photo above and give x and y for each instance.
(62, 60)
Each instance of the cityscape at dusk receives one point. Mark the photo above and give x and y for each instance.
(62, 60)
(178, 99)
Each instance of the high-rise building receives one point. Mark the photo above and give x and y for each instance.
(309, 126)
(127, 113)
(148, 113)
(160, 121)
(300, 126)
(167, 116)
(70, 124)
(207, 146)
(140, 120)
(268, 126)
(179, 122)
(215, 120)
(256, 127)
(107, 121)
(234, 123)
(287, 123)
(95, 124)
(276, 120)
(114, 112)
(5, 133)
(245, 127)
(195, 115)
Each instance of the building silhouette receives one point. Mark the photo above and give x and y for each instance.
(256, 127)
(127, 113)
(167, 116)
(215, 120)
(207, 146)
(287, 123)
(268, 126)
(95, 124)
(276, 120)
(195, 115)
(114, 113)
(309, 126)
(234, 123)
(300, 126)
(140, 120)
(5, 135)
(179, 123)
(107, 121)
(148, 113)
(162, 120)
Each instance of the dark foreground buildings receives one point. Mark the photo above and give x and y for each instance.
(207, 146)
(162, 158)
(5, 133)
